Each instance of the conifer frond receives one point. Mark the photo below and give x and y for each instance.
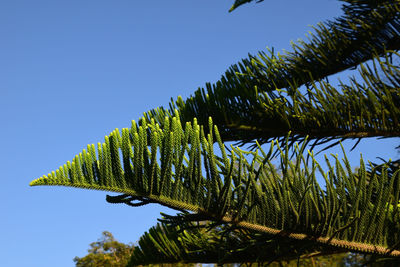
(202, 243)
(367, 30)
(178, 168)
(366, 108)
(241, 2)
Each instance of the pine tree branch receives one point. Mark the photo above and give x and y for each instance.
(368, 29)
(323, 112)
(179, 169)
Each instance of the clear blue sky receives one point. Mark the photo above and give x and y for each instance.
(72, 71)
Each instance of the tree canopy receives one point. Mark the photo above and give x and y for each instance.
(235, 204)
(106, 252)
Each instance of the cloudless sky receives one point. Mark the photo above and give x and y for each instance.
(72, 71)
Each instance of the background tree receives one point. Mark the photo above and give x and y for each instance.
(106, 252)
(249, 212)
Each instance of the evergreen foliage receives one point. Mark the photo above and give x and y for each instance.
(250, 210)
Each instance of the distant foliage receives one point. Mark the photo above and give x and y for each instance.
(106, 252)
